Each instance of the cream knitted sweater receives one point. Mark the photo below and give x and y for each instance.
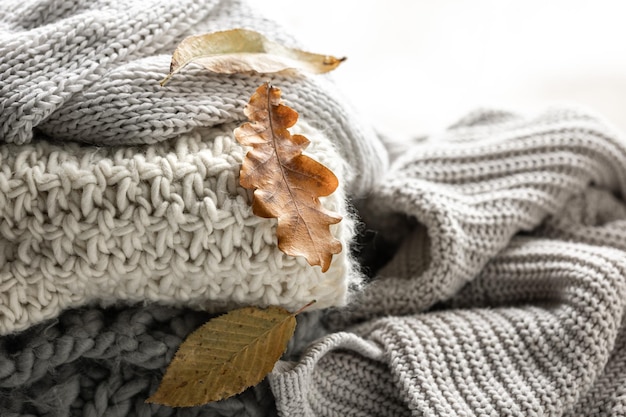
(502, 238)
(164, 219)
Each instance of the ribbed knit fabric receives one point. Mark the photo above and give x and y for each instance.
(152, 210)
(506, 299)
(476, 185)
(504, 294)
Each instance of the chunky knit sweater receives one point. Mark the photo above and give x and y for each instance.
(152, 210)
(495, 250)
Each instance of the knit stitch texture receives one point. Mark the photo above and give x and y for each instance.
(507, 297)
(497, 263)
(153, 210)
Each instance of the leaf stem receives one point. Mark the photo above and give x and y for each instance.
(309, 304)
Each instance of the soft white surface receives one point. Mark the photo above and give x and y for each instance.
(414, 66)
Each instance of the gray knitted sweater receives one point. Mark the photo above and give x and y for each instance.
(497, 267)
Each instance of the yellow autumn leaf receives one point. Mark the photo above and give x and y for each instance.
(225, 356)
(241, 51)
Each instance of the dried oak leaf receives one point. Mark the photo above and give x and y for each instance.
(241, 51)
(225, 356)
(287, 183)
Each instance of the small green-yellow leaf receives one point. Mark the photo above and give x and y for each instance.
(225, 356)
(241, 50)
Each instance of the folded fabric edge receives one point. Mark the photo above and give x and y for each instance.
(78, 174)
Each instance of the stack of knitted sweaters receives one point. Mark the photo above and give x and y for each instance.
(483, 271)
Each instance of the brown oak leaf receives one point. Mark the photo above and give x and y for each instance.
(287, 184)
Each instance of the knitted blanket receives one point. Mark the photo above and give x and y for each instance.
(506, 293)
(495, 250)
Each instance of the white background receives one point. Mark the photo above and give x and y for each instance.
(415, 66)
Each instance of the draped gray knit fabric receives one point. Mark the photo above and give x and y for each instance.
(507, 295)
(501, 241)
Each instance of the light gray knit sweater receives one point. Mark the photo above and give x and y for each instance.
(508, 295)
(121, 217)
(153, 210)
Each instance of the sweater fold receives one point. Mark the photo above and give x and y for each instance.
(497, 257)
